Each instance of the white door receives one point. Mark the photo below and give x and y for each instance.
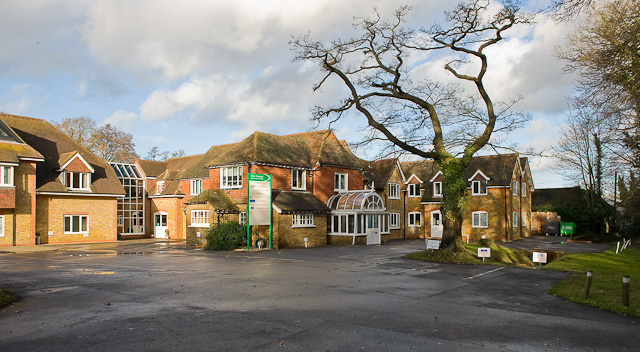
(160, 224)
(436, 224)
(373, 229)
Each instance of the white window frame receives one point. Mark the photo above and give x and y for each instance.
(478, 185)
(414, 219)
(340, 182)
(159, 187)
(394, 191)
(514, 219)
(394, 221)
(437, 189)
(199, 218)
(70, 230)
(84, 180)
(196, 187)
(524, 189)
(227, 175)
(242, 218)
(514, 185)
(1, 225)
(480, 215)
(302, 220)
(300, 176)
(7, 171)
(416, 188)
(524, 219)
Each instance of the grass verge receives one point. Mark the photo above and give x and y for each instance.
(606, 289)
(7, 297)
(499, 255)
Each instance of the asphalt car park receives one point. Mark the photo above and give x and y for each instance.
(159, 296)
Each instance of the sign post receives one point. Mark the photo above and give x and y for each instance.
(484, 252)
(259, 204)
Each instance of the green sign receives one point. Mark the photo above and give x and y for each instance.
(258, 203)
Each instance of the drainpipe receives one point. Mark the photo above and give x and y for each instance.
(404, 214)
(506, 219)
(14, 227)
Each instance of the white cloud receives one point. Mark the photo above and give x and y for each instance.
(123, 119)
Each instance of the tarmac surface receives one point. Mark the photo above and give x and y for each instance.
(149, 295)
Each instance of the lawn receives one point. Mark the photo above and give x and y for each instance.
(499, 255)
(606, 289)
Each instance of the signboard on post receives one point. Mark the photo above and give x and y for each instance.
(258, 203)
(433, 244)
(484, 252)
(539, 257)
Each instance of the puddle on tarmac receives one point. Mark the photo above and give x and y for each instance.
(134, 253)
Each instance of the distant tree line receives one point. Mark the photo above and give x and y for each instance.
(107, 141)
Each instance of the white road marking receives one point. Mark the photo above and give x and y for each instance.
(486, 272)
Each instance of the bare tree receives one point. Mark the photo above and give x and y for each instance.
(78, 128)
(427, 118)
(567, 10)
(107, 141)
(113, 145)
(154, 153)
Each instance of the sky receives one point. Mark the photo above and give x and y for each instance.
(195, 73)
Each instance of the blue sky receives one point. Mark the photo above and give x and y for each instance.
(191, 74)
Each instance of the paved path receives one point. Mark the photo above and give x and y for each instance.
(161, 297)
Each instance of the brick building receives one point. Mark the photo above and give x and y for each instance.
(53, 188)
(498, 204)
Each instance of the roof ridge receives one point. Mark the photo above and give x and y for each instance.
(22, 117)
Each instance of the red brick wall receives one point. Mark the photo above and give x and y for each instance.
(77, 166)
(7, 198)
(323, 179)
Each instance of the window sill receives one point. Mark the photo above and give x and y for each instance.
(479, 227)
(478, 194)
(298, 189)
(200, 225)
(302, 226)
(231, 188)
(415, 225)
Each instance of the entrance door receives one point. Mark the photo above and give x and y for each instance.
(436, 224)
(160, 223)
(373, 229)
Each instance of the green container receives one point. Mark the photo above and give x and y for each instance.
(567, 228)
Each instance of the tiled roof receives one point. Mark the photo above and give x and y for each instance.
(12, 147)
(152, 168)
(499, 168)
(379, 171)
(296, 150)
(298, 202)
(177, 166)
(218, 199)
(264, 148)
(51, 143)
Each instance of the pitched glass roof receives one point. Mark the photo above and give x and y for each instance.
(129, 171)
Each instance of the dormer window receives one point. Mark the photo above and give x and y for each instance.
(414, 190)
(76, 181)
(479, 183)
(437, 189)
(479, 188)
(160, 187)
(6, 175)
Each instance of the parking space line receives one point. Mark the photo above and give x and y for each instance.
(485, 273)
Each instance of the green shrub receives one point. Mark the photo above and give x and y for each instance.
(225, 236)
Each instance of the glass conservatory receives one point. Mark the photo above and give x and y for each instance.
(131, 208)
(358, 213)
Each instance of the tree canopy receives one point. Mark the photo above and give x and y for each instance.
(414, 113)
(106, 141)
